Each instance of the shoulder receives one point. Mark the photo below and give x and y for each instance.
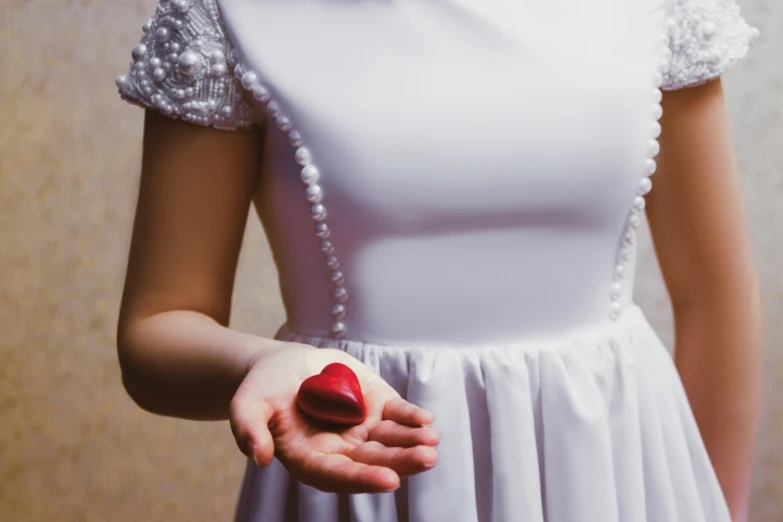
(183, 66)
(706, 38)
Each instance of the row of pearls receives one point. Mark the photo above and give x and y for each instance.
(645, 185)
(310, 175)
(180, 67)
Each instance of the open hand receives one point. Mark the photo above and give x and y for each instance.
(394, 440)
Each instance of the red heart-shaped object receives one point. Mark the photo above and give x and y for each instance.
(333, 396)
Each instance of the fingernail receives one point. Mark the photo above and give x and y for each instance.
(432, 432)
(389, 489)
(253, 453)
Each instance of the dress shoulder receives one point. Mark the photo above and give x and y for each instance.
(706, 38)
(183, 65)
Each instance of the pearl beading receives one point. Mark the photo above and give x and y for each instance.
(706, 37)
(181, 68)
(182, 65)
(703, 38)
(634, 218)
(310, 175)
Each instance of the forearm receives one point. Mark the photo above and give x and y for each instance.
(185, 364)
(718, 348)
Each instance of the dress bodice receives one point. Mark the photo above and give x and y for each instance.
(446, 172)
(476, 183)
(466, 174)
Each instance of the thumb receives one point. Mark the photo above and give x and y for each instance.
(249, 418)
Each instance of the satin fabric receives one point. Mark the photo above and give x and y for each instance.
(477, 179)
(589, 426)
(478, 162)
(482, 169)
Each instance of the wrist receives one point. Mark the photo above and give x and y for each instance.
(260, 347)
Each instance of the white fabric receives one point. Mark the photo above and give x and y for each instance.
(480, 166)
(591, 426)
(706, 37)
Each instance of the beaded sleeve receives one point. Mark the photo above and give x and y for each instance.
(706, 38)
(183, 68)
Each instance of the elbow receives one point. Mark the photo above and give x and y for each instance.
(141, 395)
(132, 371)
(129, 375)
(134, 391)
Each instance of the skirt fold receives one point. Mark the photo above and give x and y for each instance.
(594, 426)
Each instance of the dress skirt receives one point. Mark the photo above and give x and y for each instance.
(592, 427)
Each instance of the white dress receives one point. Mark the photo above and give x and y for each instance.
(452, 193)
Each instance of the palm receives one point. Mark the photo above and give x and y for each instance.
(391, 442)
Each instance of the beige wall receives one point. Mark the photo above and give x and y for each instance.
(72, 445)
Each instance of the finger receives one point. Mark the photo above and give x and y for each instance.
(404, 461)
(249, 419)
(338, 473)
(392, 434)
(403, 412)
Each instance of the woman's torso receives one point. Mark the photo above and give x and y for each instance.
(478, 160)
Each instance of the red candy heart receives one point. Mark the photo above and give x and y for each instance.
(333, 396)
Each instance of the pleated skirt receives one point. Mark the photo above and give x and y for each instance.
(591, 427)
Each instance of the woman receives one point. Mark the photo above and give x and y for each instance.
(451, 192)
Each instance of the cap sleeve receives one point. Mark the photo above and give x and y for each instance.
(182, 68)
(706, 38)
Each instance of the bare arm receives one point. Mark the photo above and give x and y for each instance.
(178, 358)
(699, 230)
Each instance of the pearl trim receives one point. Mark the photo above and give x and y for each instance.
(706, 38)
(309, 175)
(634, 218)
(182, 65)
(181, 68)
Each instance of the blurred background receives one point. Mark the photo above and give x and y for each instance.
(73, 447)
